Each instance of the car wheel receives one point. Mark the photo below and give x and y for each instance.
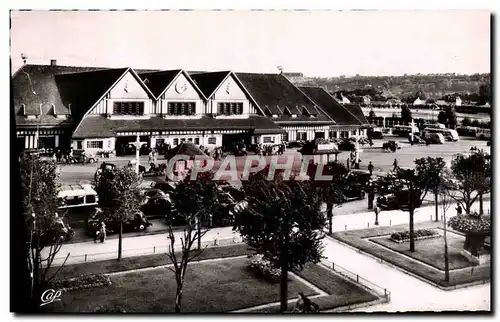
(141, 227)
(91, 161)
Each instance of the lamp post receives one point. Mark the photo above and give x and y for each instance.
(411, 131)
(137, 150)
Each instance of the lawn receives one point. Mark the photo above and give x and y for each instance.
(427, 253)
(431, 251)
(211, 286)
(217, 286)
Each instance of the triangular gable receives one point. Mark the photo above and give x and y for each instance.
(190, 80)
(267, 111)
(240, 84)
(286, 111)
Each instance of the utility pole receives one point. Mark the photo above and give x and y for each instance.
(411, 134)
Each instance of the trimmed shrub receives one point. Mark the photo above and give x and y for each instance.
(419, 234)
(264, 269)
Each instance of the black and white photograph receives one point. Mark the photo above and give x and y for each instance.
(250, 161)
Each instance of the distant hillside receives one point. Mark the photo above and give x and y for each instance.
(430, 86)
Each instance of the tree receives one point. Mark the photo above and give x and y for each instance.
(412, 183)
(451, 117)
(406, 115)
(331, 191)
(194, 200)
(46, 228)
(444, 191)
(119, 196)
(442, 117)
(466, 121)
(371, 115)
(431, 170)
(283, 222)
(472, 174)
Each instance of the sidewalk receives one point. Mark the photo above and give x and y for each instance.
(146, 245)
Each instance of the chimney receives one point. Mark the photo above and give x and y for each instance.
(53, 62)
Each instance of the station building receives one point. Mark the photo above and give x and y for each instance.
(103, 109)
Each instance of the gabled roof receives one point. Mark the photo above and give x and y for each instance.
(209, 82)
(33, 85)
(338, 112)
(158, 82)
(276, 92)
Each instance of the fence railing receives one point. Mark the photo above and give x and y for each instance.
(356, 278)
(131, 252)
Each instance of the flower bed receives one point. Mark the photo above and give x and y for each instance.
(473, 223)
(81, 282)
(264, 269)
(404, 236)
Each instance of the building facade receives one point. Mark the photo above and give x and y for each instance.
(104, 110)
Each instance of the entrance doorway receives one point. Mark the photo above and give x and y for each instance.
(229, 140)
(125, 145)
(319, 135)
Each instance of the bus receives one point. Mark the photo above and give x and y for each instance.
(404, 130)
(449, 134)
(76, 197)
(483, 134)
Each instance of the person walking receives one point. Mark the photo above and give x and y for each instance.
(459, 209)
(376, 209)
(395, 164)
(370, 168)
(150, 156)
(102, 232)
(304, 304)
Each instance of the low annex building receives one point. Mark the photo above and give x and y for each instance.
(102, 109)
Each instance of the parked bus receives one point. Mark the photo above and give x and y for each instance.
(404, 130)
(77, 199)
(483, 134)
(449, 134)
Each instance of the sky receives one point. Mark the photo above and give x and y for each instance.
(316, 43)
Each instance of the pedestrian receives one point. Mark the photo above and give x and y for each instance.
(459, 209)
(370, 168)
(54, 158)
(304, 304)
(155, 156)
(376, 209)
(395, 164)
(150, 156)
(102, 232)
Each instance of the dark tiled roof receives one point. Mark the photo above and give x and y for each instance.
(82, 90)
(328, 103)
(33, 85)
(277, 94)
(157, 82)
(208, 82)
(358, 112)
(101, 126)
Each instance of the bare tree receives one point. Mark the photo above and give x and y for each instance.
(194, 201)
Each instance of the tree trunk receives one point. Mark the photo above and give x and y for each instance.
(446, 259)
(329, 210)
(199, 233)
(178, 296)
(120, 236)
(284, 269)
(481, 210)
(436, 205)
(412, 234)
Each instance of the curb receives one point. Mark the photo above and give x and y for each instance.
(423, 279)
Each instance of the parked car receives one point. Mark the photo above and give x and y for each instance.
(397, 200)
(416, 139)
(82, 157)
(104, 166)
(136, 222)
(435, 138)
(229, 207)
(356, 183)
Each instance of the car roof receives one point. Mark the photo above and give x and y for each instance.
(74, 190)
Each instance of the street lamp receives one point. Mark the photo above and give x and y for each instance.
(137, 145)
(411, 130)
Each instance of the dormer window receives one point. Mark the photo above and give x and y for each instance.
(294, 115)
(268, 112)
(286, 111)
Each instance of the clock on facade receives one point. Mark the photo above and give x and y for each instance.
(181, 87)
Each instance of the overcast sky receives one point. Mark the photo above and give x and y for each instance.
(316, 43)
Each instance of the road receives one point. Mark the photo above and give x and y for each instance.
(381, 160)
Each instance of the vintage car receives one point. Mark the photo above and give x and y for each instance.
(136, 222)
(396, 200)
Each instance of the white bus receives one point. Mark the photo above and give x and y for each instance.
(449, 134)
(483, 134)
(77, 196)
